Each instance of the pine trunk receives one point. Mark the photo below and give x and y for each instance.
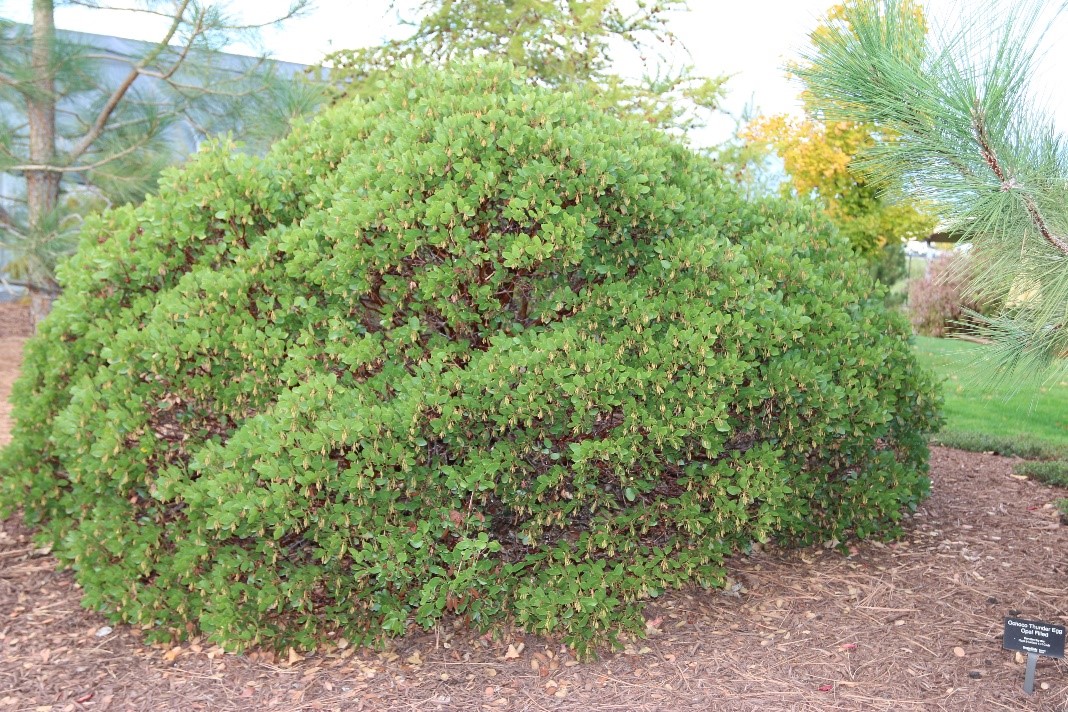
(42, 185)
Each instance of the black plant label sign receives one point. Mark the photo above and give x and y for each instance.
(1034, 637)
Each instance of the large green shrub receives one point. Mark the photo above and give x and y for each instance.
(470, 348)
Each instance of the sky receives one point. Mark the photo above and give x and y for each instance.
(750, 40)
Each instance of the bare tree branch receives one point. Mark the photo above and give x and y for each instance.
(120, 91)
(118, 8)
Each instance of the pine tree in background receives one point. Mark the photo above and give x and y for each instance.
(74, 139)
(971, 142)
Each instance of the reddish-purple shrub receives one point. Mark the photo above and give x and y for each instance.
(939, 302)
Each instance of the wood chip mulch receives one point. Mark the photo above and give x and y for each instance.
(14, 321)
(912, 625)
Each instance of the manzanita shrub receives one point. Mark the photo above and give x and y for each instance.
(469, 349)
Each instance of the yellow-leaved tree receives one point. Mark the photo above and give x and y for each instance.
(817, 155)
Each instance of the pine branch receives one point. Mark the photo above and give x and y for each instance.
(198, 29)
(208, 91)
(7, 222)
(49, 289)
(1009, 184)
(295, 10)
(84, 167)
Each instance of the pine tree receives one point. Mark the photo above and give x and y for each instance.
(972, 142)
(74, 140)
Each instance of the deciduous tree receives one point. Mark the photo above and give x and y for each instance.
(561, 43)
(818, 154)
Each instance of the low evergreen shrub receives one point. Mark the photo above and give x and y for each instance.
(467, 349)
(1050, 472)
(1007, 445)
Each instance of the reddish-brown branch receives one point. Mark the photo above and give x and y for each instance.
(1043, 228)
(1008, 183)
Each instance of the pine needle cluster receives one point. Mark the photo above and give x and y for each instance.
(971, 141)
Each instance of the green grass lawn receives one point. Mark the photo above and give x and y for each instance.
(1032, 410)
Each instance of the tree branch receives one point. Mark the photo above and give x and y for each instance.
(137, 122)
(84, 167)
(296, 9)
(181, 55)
(118, 8)
(192, 88)
(52, 291)
(1008, 183)
(120, 91)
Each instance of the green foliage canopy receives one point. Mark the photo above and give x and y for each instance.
(560, 43)
(470, 348)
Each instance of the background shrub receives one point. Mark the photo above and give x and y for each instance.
(939, 302)
(467, 349)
